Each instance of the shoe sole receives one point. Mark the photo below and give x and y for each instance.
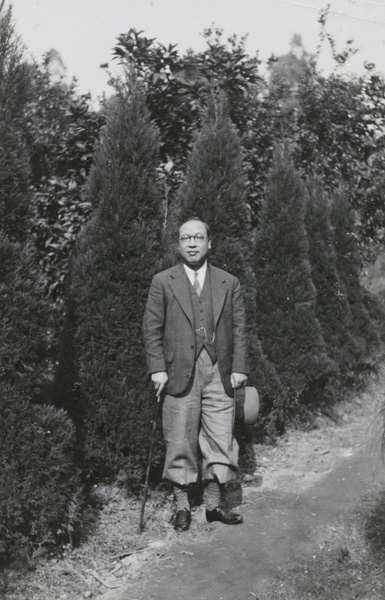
(182, 528)
(237, 522)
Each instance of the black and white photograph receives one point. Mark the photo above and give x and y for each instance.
(192, 299)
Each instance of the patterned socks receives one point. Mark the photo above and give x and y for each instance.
(212, 494)
(181, 497)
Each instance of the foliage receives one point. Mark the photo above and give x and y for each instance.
(115, 258)
(335, 124)
(346, 243)
(47, 137)
(37, 475)
(332, 307)
(215, 189)
(335, 127)
(340, 134)
(24, 320)
(285, 293)
(38, 480)
(62, 130)
(14, 182)
(14, 159)
(176, 86)
(14, 70)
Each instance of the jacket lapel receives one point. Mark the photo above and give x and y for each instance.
(178, 281)
(179, 284)
(219, 287)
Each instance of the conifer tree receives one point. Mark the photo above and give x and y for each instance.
(332, 308)
(216, 190)
(14, 159)
(346, 244)
(116, 255)
(286, 297)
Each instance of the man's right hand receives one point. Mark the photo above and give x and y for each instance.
(159, 379)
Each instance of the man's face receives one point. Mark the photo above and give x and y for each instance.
(193, 249)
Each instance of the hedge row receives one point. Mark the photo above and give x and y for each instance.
(309, 328)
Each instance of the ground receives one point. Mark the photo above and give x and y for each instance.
(314, 528)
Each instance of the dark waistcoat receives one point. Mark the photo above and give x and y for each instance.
(204, 319)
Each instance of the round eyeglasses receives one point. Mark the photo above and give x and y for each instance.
(198, 239)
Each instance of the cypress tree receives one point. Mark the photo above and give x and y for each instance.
(332, 308)
(14, 159)
(346, 244)
(216, 190)
(116, 255)
(286, 297)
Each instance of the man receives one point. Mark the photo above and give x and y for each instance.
(195, 341)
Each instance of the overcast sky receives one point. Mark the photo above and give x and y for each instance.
(84, 31)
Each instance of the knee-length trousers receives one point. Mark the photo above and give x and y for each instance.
(202, 419)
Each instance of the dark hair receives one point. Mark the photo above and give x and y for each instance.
(196, 219)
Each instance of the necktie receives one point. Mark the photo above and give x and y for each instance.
(197, 286)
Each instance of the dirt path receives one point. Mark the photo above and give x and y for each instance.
(308, 480)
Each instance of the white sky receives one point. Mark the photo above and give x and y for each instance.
(85, 31)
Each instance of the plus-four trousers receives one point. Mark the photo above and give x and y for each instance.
(201, 419)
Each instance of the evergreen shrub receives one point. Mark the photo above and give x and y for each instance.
(14, 158)
(116, 255)
(332, 307)
(216, 190)
(24, 320)
(14, 182)
(39, 485)
(286, 297)
(365, 326)
(37, 445)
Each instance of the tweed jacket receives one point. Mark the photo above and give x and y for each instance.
(168, 327)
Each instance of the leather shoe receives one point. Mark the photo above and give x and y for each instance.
(182, 520)
(224, 516)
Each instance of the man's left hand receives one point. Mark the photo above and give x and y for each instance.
(238, 379)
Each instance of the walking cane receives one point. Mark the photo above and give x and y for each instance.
(145, 489)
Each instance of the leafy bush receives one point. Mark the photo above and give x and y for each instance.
(177, 86)
(61, 134)
(38, 479)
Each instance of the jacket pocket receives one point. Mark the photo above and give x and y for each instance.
(169, 356)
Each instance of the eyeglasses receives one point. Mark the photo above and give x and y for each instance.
(198, 239)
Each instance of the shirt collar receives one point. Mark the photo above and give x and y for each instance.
(201, 272)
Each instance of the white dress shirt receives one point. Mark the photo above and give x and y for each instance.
(201, 274)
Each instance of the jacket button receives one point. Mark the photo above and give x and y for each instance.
(192, 346)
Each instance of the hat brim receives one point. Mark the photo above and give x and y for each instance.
(247, 405)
